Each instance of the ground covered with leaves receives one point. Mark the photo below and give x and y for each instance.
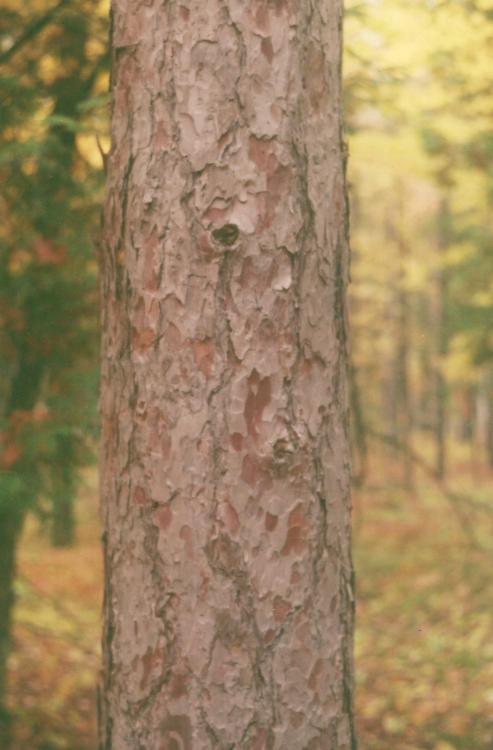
(424, 641)
(55, 663)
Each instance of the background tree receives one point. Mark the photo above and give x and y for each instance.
(228, 608)
(419, 109)
(53, 66)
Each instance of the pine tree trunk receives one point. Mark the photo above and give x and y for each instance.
(225, 482)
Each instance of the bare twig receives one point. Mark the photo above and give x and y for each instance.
(35, 28)
(458, 501)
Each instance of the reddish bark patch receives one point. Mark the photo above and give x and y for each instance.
(295, 538)
(250, 471)
(315, 68)
(163, 517)
(186, 534)
(139, 497)
(237, 441)
(179, 685)
(166, 444)
(231, 518)
(249, 277)
(278, 177)
(315, 674)
(216, 216)
(184, 13)
(267, 49)
(296, 719)
(203, 353)
(270, 521)
(269, 636)
(142, 340)
(259, 393)
(173, 338)
(254, 474)
(260, 152)
(280, 609)
(150, 277)
(262, 16)
(295, 575)
(261, 741)
(161, 139)
(159, 439)
(278, 185)
(150, 659)
(205, 247)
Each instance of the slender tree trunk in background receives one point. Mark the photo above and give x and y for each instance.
(489, 434)
(63, 493)
(467, 411)
(359, 436)
(404, 415)
(10, 528)
(439, 307)
(63, 522)
(402, 419)
(23, 396)
(488, 386)
(388, 397)
(440, 402)
(225, 482)
(424, 398)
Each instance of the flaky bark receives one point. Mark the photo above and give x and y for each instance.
(228, 603)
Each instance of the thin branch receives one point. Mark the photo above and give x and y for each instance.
(458, 502)
(33, 30)
(43, 632)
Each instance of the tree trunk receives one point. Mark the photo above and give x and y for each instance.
(402, 391)
(63, 521)
(405, 415)
(488, 438)
(23, 395)
(225, 482)
(466, 418)
(63, 494)
(440, 312)
(10, 528)
(359, 437)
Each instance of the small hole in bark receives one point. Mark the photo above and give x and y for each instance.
(226, 235)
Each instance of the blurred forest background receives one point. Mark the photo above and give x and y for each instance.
(419, 113)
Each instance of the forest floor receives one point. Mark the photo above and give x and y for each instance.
(424, 640)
